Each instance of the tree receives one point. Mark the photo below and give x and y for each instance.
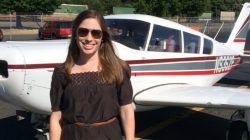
(28, 6)
(95, 4)
(78, 2)
(192, 8)
(151, 7)
(109, 4)
(170, 7)
(104, 6)
(216, 7)
(141, 7)
(174, 8)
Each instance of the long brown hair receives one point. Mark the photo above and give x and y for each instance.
(113, 69)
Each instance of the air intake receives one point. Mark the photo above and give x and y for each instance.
(4, 69)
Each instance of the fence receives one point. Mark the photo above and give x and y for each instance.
(29, 24)
(31, 21)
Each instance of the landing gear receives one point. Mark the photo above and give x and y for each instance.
(41, 137)
(39, 124)
(238, 129)
(53, 36)
(40, 36)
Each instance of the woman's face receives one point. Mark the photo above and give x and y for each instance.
(89, 36)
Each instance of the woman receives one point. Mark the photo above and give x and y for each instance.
(92, 87)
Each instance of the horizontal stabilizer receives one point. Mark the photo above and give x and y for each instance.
(190, 96)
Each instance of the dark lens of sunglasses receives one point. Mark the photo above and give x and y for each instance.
(96, 33)
(82, 32)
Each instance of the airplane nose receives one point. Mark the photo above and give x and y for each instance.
(3, 75)
(2, 91)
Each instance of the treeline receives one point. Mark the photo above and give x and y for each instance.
(162, 8)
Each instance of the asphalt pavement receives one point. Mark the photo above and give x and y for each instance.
(170, 123)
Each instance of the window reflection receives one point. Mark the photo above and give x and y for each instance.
(165, 39)
(191, 43)
(208, 46)
(131, 33)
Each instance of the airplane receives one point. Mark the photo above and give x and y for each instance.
(178, 72)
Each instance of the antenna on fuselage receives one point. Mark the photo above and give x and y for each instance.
(219, 30)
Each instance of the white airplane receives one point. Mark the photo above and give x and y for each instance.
(176, 72)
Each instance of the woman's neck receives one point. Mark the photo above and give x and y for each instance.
(85, 59)
(86, 64)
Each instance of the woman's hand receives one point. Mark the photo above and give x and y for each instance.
(128, 121)
(55, 128)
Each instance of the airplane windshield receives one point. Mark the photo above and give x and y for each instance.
(131, 33)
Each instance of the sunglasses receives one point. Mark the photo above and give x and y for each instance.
(83, 32)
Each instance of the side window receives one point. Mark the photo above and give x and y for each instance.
(165, 39)
(46, 25)
(208, 46)
(58, 25)
(191, 43)
(49, 25)
(131, 33)
(63, 24)
(66, 25)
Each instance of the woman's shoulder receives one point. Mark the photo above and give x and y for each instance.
(59, 70)
(126, 69)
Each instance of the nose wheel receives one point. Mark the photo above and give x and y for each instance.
(238, 131)
(38, 122)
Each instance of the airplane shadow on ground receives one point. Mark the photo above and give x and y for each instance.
(176, 123)
(171, 123)
(11, 129)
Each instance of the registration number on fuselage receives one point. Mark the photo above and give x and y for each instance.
(224, 63)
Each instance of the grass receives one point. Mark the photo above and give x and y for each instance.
(19, 31)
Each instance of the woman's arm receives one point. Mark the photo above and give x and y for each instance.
(55, 128)
(128, 121)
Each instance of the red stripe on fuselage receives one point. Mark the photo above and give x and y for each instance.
(205, 72)
(52, 65)
(33, 66)
(171, 60)
(240, 40)
(175, 59)
(172, 73)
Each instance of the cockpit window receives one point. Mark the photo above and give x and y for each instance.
(165, 39)
(208, 46)
(191, 43)
(131, 33)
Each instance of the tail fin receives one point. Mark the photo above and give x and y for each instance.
(238, 37)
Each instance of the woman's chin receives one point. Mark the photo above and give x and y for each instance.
(89, 51)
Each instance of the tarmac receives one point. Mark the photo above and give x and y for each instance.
(170, 123)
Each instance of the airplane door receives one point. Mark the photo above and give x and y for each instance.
(37, 88)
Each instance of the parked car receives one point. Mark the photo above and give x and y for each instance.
(55, 29)
(1, 35)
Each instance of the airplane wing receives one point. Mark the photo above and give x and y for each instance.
(189, 96)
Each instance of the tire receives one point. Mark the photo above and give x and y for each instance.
(238, 131)
(53, 36)
(40, 36)
(40, 137)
